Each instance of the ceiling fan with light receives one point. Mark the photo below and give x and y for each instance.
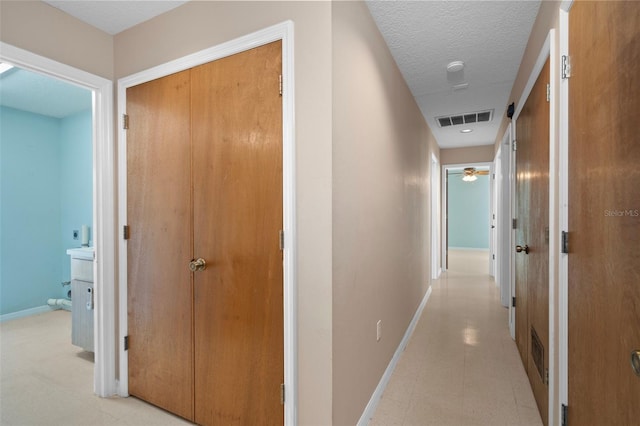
(469, 174)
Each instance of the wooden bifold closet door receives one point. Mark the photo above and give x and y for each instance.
(204, 162)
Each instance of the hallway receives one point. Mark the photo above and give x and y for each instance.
(461, 366)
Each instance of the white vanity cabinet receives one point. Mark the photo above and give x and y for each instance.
(82, 297)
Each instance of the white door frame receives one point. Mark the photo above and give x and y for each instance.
(548, 51)
(436, 268)
(284, 32)
(503, 223)
(444, 215)
(493, 216)
(563, 219)
(104, 380)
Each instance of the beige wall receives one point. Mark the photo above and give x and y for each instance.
(381, 158)
(476, 154)
(43, 29)
(199, 25)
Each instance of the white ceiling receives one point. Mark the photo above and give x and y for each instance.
(113, 17)
(423, 36)
(489, 36)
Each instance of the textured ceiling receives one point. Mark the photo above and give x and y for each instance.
(423, 36)
(111, 16)
(32, 92)
(489, 36)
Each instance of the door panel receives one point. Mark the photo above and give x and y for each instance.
(604, 212)
(523, 195)
(159, 216)
(237, 161)
(532, 268)
(537, 136)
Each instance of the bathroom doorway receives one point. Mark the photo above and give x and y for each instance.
(47, 188)
(46, 147)
(102, 235)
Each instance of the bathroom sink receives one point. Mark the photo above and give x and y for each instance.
(85, 253)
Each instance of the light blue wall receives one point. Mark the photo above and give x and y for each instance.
(76, 182)
(46, 183)
(30, 220)
(468, 206)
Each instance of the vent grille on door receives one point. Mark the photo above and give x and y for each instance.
(537, 353)
(466, 118)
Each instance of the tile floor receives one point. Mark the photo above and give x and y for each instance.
(460, 367)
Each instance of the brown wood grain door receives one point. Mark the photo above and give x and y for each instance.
(205, 181)
(237, 160)
(532, 280)
(604, 213)
(159, 212)
(523, 194)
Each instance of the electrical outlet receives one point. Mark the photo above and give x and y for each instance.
(378, 330)
(76, 234)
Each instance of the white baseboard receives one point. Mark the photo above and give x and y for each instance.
(26, 312)
(370, 409)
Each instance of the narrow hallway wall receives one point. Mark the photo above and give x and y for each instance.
(381, 208)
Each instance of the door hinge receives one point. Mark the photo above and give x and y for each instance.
(125, 121)
(514, 145)
(566, 66)
(565, 243)
(546, 376)
(281, 239)
(548, 92)
(125, 232)
(280, 84)
(513, 302)
(126, 343)
(565, 412)
(282, 394)
(514, 223)
(493, 256)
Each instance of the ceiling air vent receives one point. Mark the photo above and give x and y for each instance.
(466, 118)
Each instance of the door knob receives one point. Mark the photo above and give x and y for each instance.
(635, 361)
(197, 265)
(520, 249)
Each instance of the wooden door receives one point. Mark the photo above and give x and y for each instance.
(159, 213)
(237, 160)
(532, 233)
(205, 181)
(604, 213)
(523, 193)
